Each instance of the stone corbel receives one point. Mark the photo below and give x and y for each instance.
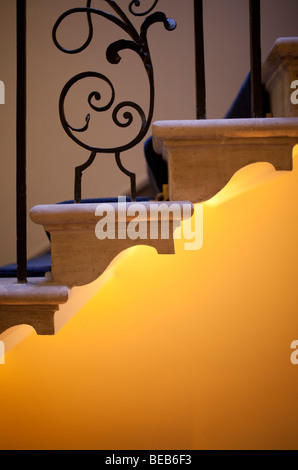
(203, 155)
(33, 304)
(79, 256)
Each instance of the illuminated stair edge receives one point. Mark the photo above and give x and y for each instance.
(34, 303)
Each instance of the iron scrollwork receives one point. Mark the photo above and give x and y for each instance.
(123, 113)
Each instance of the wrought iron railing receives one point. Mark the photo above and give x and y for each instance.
(255, 58)
(200, 60)
(21, 144)
(138, 43)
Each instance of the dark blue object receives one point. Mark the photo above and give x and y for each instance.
(240, 109)
(36, 267)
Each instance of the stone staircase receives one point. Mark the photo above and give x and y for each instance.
(202, 157)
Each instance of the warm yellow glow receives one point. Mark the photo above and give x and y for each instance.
(174, 352)
(13, 336)
(244, 180)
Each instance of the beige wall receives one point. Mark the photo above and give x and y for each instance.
(52, 156)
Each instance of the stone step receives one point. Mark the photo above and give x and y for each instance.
(203, 156)
(279, 72)
(79, 256)
(41, 306)
(33, 303)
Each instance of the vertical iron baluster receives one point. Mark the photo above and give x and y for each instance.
(255, 58)
(200, 59)
(21, 144)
